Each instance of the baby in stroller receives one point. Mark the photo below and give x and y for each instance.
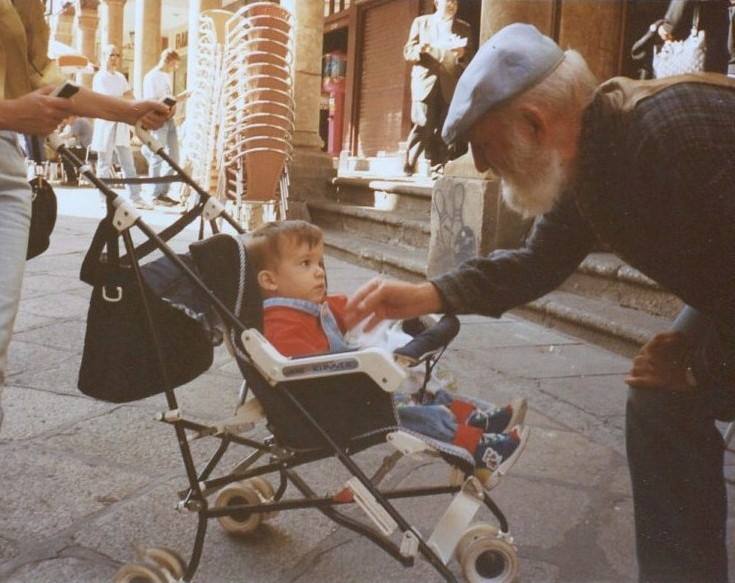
(300, 319)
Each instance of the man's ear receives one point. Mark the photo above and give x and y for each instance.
(267, 280)
(535, 123)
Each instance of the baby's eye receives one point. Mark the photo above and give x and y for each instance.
(305, 263)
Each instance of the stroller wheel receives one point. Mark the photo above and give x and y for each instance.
(239, 523)
(267, 493)
(167, 560)
(139, 573)
(485, 557)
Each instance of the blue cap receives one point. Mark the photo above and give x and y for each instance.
(512, 60)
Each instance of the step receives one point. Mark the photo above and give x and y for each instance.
(400, 262)
(406, 194)
(392, 227)
(605, 276)
(601, 322)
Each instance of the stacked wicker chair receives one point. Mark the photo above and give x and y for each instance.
(257, 126)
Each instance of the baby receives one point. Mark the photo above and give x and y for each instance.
(301, 319)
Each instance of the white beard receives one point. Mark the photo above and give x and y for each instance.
(536, 182)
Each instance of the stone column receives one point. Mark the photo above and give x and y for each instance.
(62, 26)
(196, 7)
(147, 49)
(311, 168)
(86, 21)
(498, 13)
(112, 22)
(596, 32)
(308, 37)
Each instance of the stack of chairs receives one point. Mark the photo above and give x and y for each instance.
(258, 111)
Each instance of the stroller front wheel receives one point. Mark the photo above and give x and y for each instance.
(139, 573)
(240, 522)
(485, 557)
(167, 560)
(267, 494)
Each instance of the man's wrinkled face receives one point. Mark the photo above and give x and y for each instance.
(531, 175)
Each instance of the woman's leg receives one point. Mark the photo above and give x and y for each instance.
(15, 218)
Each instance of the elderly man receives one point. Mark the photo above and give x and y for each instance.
(645, 167)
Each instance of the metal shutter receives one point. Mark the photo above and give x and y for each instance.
(384, 81)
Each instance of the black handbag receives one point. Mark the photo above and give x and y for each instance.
(120, 362)
(43, 213)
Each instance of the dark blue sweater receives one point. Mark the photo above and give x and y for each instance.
(657, 186)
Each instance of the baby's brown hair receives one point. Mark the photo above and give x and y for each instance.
(265, 244)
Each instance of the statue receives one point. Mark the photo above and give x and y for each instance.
(439, 47)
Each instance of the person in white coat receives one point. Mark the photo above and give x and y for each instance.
(112, 138)
(157, 86)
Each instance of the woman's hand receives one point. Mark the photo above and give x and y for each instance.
(35, 113)
(382, 299)
(151, 114)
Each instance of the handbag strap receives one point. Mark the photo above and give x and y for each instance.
(94, 271)
(639, 50)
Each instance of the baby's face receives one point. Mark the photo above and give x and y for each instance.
(300, 273)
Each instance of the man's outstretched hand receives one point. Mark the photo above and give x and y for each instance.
(382, 299)
(661, 364)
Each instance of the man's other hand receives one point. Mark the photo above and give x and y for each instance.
(35, 113)
(381, 299)
(661, 364)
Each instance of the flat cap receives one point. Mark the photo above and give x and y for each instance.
(512, 60)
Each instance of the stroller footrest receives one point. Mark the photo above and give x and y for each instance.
(366, 501)
(456, 519)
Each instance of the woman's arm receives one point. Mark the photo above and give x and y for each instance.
(88, 103)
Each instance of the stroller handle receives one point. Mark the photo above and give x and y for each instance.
(430, 339)
(147, 138)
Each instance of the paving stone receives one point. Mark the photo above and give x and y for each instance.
(567, 457)
(25, 358)
(42, 284)
(556, 509)
(503, 334)
(150, 520)
(69, 304)
(27, 321)
(51, 492)
(123, 437)
(552, 361)
(29, 412)
(64, 569)
(8, 549)
(602, 395)
(534, 571)
(617, 539)
(67, 335)
(60, 378)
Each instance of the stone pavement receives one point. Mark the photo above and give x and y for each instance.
(84, 481)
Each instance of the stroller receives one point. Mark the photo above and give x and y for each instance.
(314, 408)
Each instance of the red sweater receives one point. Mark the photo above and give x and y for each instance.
(296, 333)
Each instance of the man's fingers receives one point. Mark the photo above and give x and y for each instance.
(362, 303)
(374, 321)
(361, 293)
